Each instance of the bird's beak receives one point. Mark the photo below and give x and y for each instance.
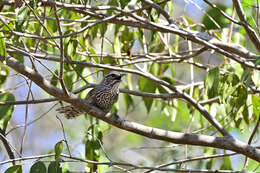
(120, 76)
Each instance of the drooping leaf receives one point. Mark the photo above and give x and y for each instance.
(22, 16)
(245, 114)
(256, 105)
(69, 78)
(123, 3)
(52, 168)
(147, 86)
(54, 79)
(256, 78)
(226, 165)
(103, 28)
(2, 47)
(209, 164)
(4, 73)
(58, 149)
(241, 96)
(93, 138)
(212, 82)
(246, 77)
(72, 47)
(15, 169)
(227, 86)
(128, 101)
(6, 111)
(117, 47)
(38, 167)
(213, 19)
(257, 61)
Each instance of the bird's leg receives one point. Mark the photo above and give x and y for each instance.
(115, 117)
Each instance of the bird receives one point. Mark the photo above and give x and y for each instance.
(102, 96)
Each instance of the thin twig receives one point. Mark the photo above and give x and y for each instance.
(9, 143)
(194, 159)
(33, 121)
(64, 135)
(61, 53)
(25, 119)
(251, 139)
(7, 146)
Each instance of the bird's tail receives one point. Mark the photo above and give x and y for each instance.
(70, 111)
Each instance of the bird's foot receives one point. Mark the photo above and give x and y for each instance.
(115, 117)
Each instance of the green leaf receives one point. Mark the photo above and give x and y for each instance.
(6, 111)
(2, 47)
(212, 82)
(92, 145)
(226, 164)
(22, 16)
(4, 73)
(245, 114)
(65, 168)
(58, 149)
(102, 28)
(213, 19)
(154, 69)
(72, 47)
(117, 47)
(15, 169)
(54, 79)
(52, 168)
(128, 101)
(241, 96)
(69, 77)
(170, 7)
(228, 84)
(38, 167)
(112, 3)
(256, 78)
(146, 85)
(123, 3)
(257, 61)
(246, 77)
(256, 105)
(209, 164)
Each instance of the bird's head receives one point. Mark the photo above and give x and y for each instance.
(112, 79)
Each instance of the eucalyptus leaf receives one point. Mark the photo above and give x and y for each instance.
(6, 111)
(15, 169)
(38, 167)
(2, 47)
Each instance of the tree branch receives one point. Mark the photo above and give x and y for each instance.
(139, 22)
(178, 92)
(6, 145)
(250, 31)
(61, 53)
(227, 142)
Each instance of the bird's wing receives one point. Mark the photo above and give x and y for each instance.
(90, 95)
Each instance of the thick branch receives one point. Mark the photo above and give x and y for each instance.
(227, 143)
(250, 31)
